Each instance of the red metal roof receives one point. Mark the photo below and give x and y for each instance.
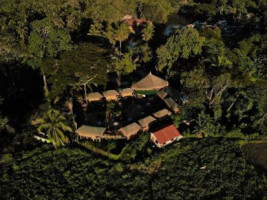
(166, 134)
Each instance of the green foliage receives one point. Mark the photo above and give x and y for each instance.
(155, 10)
(68, 173)
(46, 40)
(6, 158)
(214, 49)
(53, 124)
(146, 53)
(87, 61)
(147, 32)
(183, 44)
(256, 153)
(3, 122)
(125, 64)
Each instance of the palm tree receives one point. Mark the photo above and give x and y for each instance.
(122, 33)
(53, 124)
(148, 32)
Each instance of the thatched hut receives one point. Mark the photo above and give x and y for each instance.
(172, 105)
(162, 113)
(149, 85)
(92, 132)
(146, 122)
(111, 95)
(130, 130)
(126, 92)
(95, 96)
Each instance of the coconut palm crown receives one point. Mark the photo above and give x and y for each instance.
(53, 124)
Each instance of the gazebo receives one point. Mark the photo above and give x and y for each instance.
(126, 92)
(111, 95)
(95, 96)
(146, 122)
(92, 132)
(149, 84)
(130, 130)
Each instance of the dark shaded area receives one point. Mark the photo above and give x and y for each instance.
(256, 153)
(22, 88)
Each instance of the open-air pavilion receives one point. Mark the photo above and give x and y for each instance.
(149, 85)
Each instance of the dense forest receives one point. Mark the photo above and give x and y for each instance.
(53, 53)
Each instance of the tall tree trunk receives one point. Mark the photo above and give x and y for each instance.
(119, 79)
(46, 92)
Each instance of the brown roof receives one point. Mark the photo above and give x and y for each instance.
(90, 131)
(95, 96)
(162, 94)
(111, 95)
(150, 82)
(162, 113)
(172, 104)
(130, 130)
(126, 92)
(167, 134)
(145, 122)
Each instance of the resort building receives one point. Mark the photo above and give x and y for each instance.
(165, 136)
(172, 105)
(130, 130)
(162, 94)
(146, 122)
(95, 96)
(126, 92)
(111, 95)
(149, 85)
(90, 132)
(162, 113)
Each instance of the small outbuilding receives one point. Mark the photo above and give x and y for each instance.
(91, 132)
(95, 96)
(146, 122)
(162, 113)
(162, 94)
(149, 85)
(130, 130)
(172, 105)
(126, 92)
(165, 136)
(111, 95)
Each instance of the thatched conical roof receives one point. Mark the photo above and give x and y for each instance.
(150, 82)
